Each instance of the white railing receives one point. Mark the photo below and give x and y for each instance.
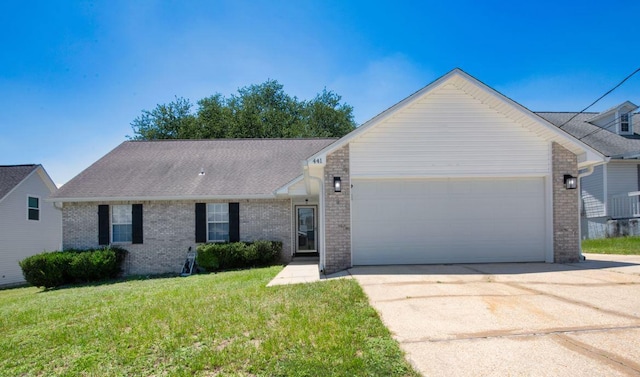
(625, 206)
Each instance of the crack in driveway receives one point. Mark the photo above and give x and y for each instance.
(621, 363)
(516, 334)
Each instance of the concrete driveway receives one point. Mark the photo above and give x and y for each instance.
(517, 319)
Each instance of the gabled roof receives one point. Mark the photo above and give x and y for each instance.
(12, 175)
(500, 103)
(605, 140)
(627, 106)
(171, 169)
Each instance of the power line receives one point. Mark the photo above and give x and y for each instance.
(601, 97)
(604, 127)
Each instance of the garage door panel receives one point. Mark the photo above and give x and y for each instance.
(448, 221)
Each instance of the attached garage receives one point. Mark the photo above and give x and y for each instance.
(448, 221)
(455, 173)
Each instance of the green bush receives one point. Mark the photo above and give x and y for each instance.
(46, 269)
(53, 269)
(224, 256)
(268, 251)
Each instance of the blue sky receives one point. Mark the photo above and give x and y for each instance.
(74, 74)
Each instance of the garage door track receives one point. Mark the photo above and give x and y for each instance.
(517, 319)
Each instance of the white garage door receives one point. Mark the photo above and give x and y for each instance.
(448, 221)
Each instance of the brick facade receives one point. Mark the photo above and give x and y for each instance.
(337, 212)
(566, 223)
(169, 230)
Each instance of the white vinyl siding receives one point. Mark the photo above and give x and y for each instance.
(20, 237)
(449, 133)
(448, 221)
(592, 187)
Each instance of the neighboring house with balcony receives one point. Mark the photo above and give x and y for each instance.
(28, 223)
(611, 192)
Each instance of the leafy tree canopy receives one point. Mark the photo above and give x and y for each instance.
(256, 111)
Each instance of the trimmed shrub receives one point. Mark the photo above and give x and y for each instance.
(53, 269)
(267, 251)
(46, 269)
(224, 256)
(207, 258)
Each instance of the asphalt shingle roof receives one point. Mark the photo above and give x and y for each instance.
(12, 175)
(170, 168)
(605, 141)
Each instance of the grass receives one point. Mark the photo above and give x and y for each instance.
(204, 325)
(618, 245)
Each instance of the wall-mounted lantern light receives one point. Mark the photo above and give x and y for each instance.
(570, 182)
(337, 184)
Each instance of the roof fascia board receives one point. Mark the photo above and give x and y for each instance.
(626, 156)
(285, 189)
(160, 198)
(51, 185)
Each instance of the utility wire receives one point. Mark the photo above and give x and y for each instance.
(604, 127)
(601, 97)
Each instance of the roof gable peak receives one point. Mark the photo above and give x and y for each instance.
(626, 106)
(489, 97)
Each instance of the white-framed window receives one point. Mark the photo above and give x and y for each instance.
(625, 126)
(218, 222)
(33, 208)
(121, 223)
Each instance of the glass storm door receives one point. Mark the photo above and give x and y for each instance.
(306, 229)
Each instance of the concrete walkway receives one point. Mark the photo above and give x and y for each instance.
(304, 270)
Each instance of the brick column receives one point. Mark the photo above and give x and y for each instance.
(337, 212)
(566, 222)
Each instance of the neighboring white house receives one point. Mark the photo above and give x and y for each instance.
(28, 223)
(610, 193)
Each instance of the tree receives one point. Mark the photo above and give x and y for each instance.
(169, 121)
(256, 111)
(325, 116)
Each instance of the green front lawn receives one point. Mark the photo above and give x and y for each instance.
(209, 325)
(619, 245)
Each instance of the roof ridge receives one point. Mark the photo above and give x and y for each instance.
(17, 166)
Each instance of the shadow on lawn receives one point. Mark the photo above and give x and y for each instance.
(118, 280)
(125, 279)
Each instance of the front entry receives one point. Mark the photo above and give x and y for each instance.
(306, 229)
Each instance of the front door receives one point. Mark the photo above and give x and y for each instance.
(306, 230)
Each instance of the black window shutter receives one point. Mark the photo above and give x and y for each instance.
(136, 223)
(234, 222)
(201, 222)
(103, 224)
